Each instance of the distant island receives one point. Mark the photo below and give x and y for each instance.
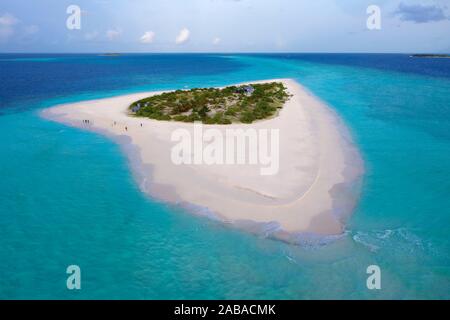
(232, 104)
(109, 54)
(431, 56)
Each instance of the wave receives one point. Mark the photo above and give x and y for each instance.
(401, 239)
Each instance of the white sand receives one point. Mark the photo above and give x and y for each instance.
(311, 193)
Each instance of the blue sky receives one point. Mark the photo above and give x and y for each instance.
(225, 26)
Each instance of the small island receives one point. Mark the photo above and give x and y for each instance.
(441, 56)
(111, 54)
(233, 104)
(317, 169)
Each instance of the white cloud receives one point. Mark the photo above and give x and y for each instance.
(7, 22)
(147, 37)
(113, 34)
(183, 36)
(216, 41)
(91, 35)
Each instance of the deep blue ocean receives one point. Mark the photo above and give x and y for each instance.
(68, 197)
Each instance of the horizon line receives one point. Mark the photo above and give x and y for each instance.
(217, 52)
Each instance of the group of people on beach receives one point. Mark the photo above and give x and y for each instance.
(126, 128)
(87, 121)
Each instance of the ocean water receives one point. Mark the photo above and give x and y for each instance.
(68, 196)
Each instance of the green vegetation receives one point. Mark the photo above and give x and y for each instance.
(245, 103)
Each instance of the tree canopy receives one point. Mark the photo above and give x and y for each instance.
(245, 103)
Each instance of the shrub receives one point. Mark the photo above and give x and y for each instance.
(229, 104)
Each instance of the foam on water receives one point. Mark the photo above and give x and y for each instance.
(399, 239)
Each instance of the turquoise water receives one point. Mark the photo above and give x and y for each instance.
(68, 196)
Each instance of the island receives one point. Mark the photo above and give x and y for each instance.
(112, 54)
(310, 195)
(438, 56)
(233, 104)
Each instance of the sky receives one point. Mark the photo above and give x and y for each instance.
(405, 26)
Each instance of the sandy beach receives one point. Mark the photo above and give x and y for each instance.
(313, 192)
